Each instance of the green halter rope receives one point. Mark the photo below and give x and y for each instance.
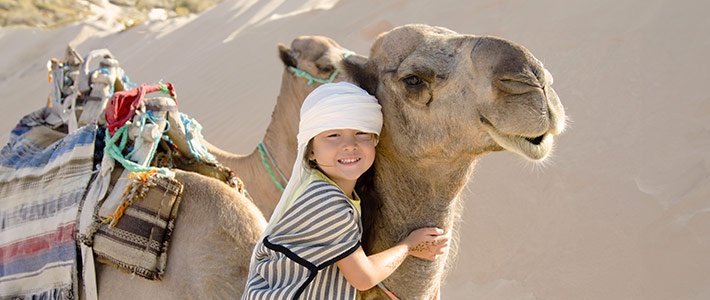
(268, 168)
(301, 73)
(115, 152)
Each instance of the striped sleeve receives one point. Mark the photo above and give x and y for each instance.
(321, 227)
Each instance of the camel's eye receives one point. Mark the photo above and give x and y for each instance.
(412, 81)
(329, 68)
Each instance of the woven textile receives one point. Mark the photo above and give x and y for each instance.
(43, 178)
(139, 241)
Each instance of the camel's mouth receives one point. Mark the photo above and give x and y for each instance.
(535, 141)
(533, 148)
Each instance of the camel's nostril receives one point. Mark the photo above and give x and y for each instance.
(535, 141)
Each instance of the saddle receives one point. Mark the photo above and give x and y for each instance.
(95, 165)
(131, 226)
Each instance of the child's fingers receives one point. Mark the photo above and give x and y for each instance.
(441, 241)
(433, 231)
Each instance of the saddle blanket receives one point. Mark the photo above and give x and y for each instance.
(43, 178)
(139, 241)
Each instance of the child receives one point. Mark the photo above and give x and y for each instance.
(311, 247)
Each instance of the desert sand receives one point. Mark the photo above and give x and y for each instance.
(620, 211)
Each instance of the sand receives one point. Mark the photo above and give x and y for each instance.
(620, 211)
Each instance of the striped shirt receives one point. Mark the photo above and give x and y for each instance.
(297, 260)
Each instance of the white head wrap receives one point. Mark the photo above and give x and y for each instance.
(339, 105)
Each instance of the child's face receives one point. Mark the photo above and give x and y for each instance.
(344, 154)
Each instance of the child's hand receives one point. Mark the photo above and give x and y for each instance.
(427, 243)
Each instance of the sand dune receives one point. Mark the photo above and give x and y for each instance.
(621, 210)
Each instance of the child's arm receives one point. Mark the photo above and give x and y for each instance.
(364, 272)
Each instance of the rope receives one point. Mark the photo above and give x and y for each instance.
(262, 148)
(115, 152)
(273, 162)
(301, 73)
(127, 82)
(167, 89)
(387, 291)
(104, 71)
(193, 129)
(148, 115)
(393, 297)
(268, 169)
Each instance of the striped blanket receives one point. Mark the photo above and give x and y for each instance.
(43, 178)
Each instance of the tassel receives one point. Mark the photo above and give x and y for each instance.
(128, 196)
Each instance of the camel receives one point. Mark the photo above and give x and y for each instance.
(447, 99)
(218, 227)
(321, 57)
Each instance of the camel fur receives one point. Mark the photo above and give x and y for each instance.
(447, 99)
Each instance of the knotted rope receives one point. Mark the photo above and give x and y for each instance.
(121, 108)
(193, 132)
(116, 151)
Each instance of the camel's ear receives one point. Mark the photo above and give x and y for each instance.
(357, 66)
(288, 56)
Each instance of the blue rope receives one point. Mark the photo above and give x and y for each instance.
(154, 118)
(127, 82)
(106, 72)
(197, 150)
(148, 116)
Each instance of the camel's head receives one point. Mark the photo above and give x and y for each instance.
(448, 95)
(312, 60)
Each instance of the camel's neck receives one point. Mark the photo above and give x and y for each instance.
(416, 194)
(280, 137)
(280, 142)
